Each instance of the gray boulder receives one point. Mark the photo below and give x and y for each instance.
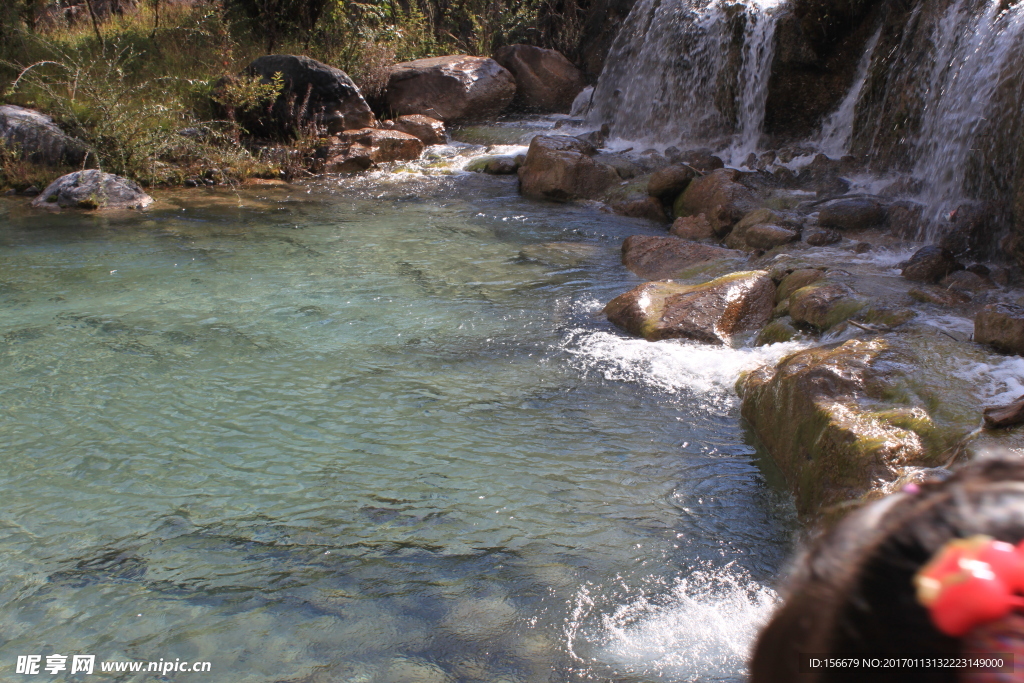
(453, 88)
(545, 80)
(35, 137)
(92, 189)
(332, 94)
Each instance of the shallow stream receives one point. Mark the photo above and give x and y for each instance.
(367, 429)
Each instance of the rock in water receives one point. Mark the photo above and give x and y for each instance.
(852, 214)
(660, 258)
(545, 80)
(37, 138)
(670, 182)
(92, 190)
(824, 304)
(563, 168)
(358, 150)
(332, 94)
(999, 417)
(930, 264)
(430, 131)
(1001, 326)
(718, 196)
(454, 88)
(709, 312)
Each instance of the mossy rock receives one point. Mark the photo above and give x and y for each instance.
(777, 332)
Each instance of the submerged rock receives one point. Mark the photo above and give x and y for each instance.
(930, 264)
(501, 164)
(34, 136)
(930, 294)
(333, 97)
(1001, 326)
(708, 312)
(718, 196)
(92, 190)
(823, 238)
(660, 258)
(563, 168)
(452, 88)
(545, 79)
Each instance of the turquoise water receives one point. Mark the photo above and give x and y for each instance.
(366, 430)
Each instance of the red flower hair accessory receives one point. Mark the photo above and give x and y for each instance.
(971, 581)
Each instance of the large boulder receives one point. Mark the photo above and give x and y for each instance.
(824, 304)
(718, 196)
(357, 150)
(857, 213)
(668, 183)
(35, 137)
(453, 88)
(1002, 327)
(709, 312)
(92, 189)
(545, 80)
(762, 229)
(661, 258)
(430, 131)
(693, 227)
(563, 168)
(930, 264)
(333, 98)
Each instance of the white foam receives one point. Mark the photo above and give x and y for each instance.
(996, 383)
(702, 629)
(671, 366)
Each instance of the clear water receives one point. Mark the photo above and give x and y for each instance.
(347, 432)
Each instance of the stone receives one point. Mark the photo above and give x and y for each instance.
(798, 279)
(906, 219)
(648, 207)
(692, 227)
(710, 312)
(1001, 417)
(563, 168)
(858, 213)
(92, 189)
(562, 253)
(623, 165)
(502, 164)
(333, 97)
(971, 231)
(357, 150)
(737, 237)
(34, 136)
(430, 131)
(765, 236)
(1001, 326)
(824, 304)
(815, 413)
(703, 160)
(718, 196)
(545, 80)
(659, 258)
(777, 332)
(823, 238)
(669, 182)
(930, 294)
(930, 264)
(966, 281)
(455, 88)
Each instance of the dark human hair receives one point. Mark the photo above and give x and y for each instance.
(852, 592)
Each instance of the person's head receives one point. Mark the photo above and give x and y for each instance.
(853, 593)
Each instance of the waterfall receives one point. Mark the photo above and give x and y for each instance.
(837, 130)
(689, 72)
(974, 49)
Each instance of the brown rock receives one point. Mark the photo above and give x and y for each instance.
(823, 238)
(930, 294)
(930, 264)
(453, 88)
(1001, 326)
(357, 150)
(659, 258)
(966, 281)
(719, 197)
(767, 237)
(999, 417)
(545, 80)
(648, 207)
(692, 228)
(430, 131)
(824, 304)
(709, 312)
(858, 213)
(562, 168)
(798, 279)
(669, 182)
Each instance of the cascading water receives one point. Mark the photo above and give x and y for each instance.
(691, 72)
(837, 130)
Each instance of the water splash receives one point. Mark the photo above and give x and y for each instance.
(702, 628)
(758, 53)
(837, 130)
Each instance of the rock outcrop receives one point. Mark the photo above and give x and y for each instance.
(709, 312)
(92, 190)
(662, 258)
(333, 98)
(451, 89)
(545, 80)
(35, 137)
(562, 168)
